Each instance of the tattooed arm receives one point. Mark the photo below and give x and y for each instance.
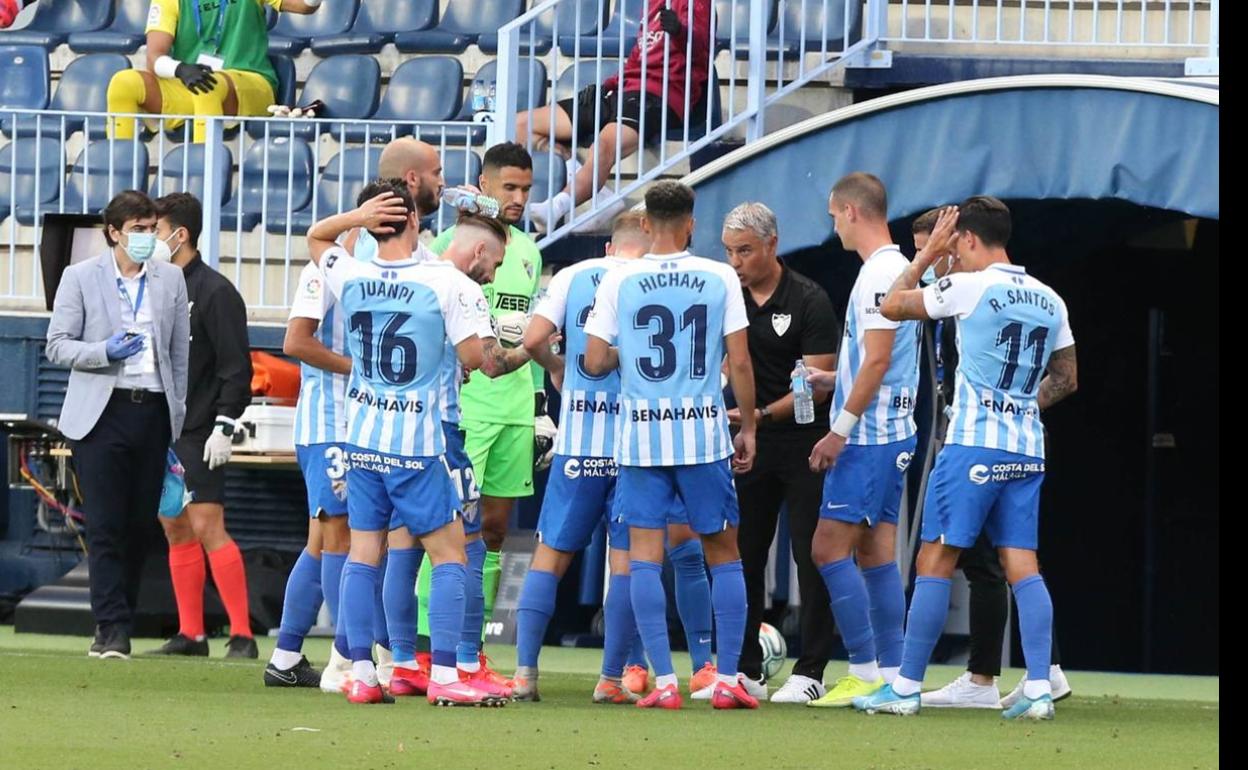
(1061, 379)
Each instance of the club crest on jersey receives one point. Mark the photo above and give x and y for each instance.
(528, 268)
(903, 461)
(781, 322)
(389, 275)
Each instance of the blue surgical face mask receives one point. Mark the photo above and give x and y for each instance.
(139, 246)
(929, 276)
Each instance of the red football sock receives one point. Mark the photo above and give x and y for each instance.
(186, 568)
(231, 580)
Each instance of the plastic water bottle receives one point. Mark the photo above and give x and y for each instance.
(467, 200)
(479, 97)
(803, 395)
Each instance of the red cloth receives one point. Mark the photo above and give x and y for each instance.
(231, 580)
(652, 44)
(186, 569)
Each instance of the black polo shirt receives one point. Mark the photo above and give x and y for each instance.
(797, 320)
(219, 376)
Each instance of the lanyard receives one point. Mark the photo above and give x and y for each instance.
(125, 294)
(199, 26)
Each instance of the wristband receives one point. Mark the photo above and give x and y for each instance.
(166, 67)
(844, 423)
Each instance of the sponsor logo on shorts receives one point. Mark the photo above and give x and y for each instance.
(978, 475)
(572, 468)
(379, 463)
(590, 467)
(903, 461)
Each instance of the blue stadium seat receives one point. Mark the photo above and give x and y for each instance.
(257, 197)
(83, 88)
(92, 183)
(23, 81)
(124, 35)
(348, 85)
(191, 156)
(458, 167)
(294, 32)
(344, 175)
(724, 21)
(577, 76)
(422, 88)
(786, 39)
(376, 24)
(21, 161)
(544, 174)
(285, 69)
(55, 20)
(531, 71)
(590, 21)
(627, 16)
(463, 23)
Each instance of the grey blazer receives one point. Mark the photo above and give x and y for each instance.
(86, 313)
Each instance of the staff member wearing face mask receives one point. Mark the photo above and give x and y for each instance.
(219, 391)
(120, 323)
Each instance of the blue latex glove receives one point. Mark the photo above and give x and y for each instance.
(118, 347)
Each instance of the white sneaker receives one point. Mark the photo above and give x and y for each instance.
(546, 215)
(1057, 680)
(799, 689)
(962, 693)
(385, 666)
(755, 689)
(336, 677)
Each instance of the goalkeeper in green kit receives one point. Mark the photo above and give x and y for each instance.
(504, 418)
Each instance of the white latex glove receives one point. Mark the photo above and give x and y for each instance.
(218, 446)
(543, 442)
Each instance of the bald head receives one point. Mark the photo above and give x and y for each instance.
(419, 165)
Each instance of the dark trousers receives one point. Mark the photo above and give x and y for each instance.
(989, 608)
(782, 475)
(121, 468)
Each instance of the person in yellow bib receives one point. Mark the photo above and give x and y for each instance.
(204, 57)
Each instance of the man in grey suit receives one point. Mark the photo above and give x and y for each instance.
(121, 323)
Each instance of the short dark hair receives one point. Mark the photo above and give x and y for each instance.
(668, 201)
(392, 185)
(987, 217)
(182, 210)
(125, 206)
(507, 154)
(926, 222)
(865, 191)
(494, 226)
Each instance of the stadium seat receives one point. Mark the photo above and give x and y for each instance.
(461, 25)
(30, 172)
(376, 24)
(289, 164)
(424, 88)
(285, 69)
(724, 21)
(190, 158)
(96, 177)
(344, 175)
(56, 20)
(588, 24)
(348, 85)
(544, 172)
(532, 71)
(458, 167)
(625, 18)
(23, 81)
(294, 32)
(577, 76)
(83, 88)
(124, 35)
(785, 40)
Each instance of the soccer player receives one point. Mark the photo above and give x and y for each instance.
(1016, 357)
(672, 315)
(400, 313)
(867, 450)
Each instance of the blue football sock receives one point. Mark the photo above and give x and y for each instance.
(1035, 625)
(650, 610)
(301, 603)
(888, 612)
(469, 647)
(533, 613)
(340, 621)
(398, 594)
(381, 635)
(636, 654)
(331, 581)
(728, 596)
(359, 586)
(446, 611)
(928, 607)
(850, 607)
(693, 599)
(621, 626)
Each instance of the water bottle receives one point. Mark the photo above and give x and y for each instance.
(467, 200)
(803, 395)
(490, 101)
(479, 97)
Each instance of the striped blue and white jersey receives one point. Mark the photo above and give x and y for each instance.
(320, 415)
(890, 415)
(1009, 324)
(589, 408)
(399, 315)
(668, 315)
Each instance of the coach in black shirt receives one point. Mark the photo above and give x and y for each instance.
(791, 317)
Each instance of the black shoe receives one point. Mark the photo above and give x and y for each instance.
(97, 645)
(116, 645)
(183, 645)
(299, 675)
(242, 647)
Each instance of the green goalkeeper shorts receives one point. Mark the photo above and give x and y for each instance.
(502, 457)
